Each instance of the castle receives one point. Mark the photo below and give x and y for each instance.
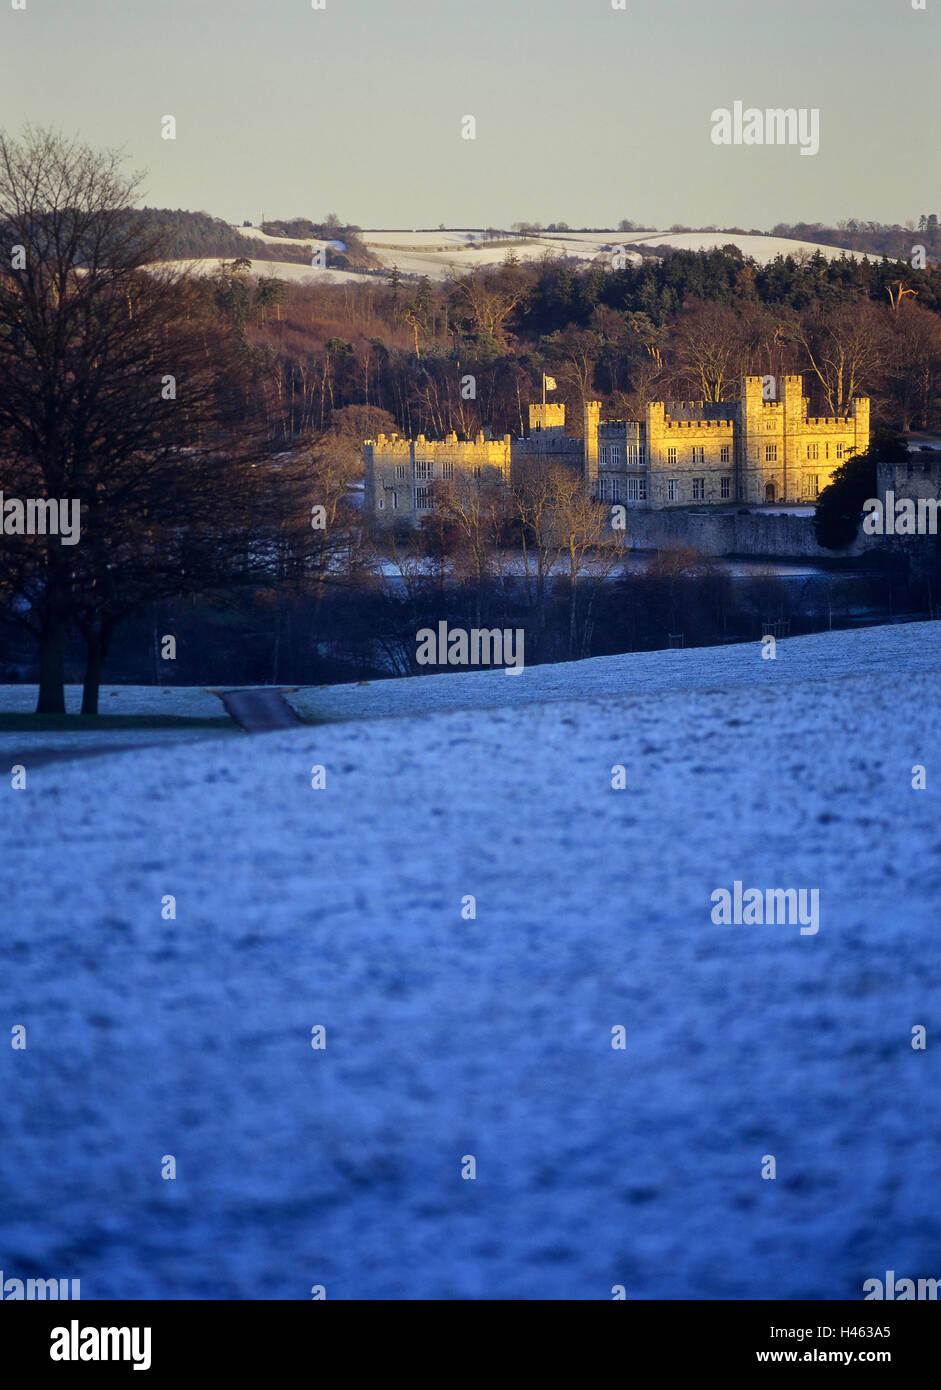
(751, 450)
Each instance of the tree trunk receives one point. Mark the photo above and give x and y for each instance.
(92, 679)
(276, 654)
(96, 648)
(51, 698)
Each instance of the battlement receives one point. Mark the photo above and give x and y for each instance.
(794, 379)
(392, 443)
(549, 415)
(672, 424)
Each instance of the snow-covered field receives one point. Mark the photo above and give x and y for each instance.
(184, 701)
(448, 1037)
(280, 270)
(438, 253)
(762, 248)
(435, 254)
(189, 702)
(848, 655)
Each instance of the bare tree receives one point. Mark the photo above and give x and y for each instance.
(586, 546)
(564, 530)
(847, 349)
(489, 300)
(707, 349)
(574, 352)
(913, 366)
(475, 512)
(118, 392)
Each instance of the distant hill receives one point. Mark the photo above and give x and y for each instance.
(871, 238)
(350, 250)
(196, 235)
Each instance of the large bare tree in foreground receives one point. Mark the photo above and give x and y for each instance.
(119, 390)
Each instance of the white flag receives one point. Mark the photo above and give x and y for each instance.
(549, 382)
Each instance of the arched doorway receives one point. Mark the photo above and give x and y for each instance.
(769, 492)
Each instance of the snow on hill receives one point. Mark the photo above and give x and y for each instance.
(435, 253)
(185, 701)
(281, 270)
(846, 654)
(258, 235)
(491, 1036)
(761, 248)
(438, 253)
(138, 701)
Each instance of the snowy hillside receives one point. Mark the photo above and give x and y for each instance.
(763, 249)
(281, 270)
(435, 253)
(439, 253)
(824, 655)
(490, 1037)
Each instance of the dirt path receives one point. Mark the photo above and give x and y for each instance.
(260, 711)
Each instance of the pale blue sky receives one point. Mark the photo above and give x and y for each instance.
(584, 113)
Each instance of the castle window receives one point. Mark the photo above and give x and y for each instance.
(813, 451)
(423, 499)
(637, 489)
(604, 456)
(400, 471)
(614, 455)
(672, 489)
(771, 453)
(813, 481)
(424, 470)
(615, 489)
(395, 500)
(671, 456)
(725, 454)
(699, 489)
(725, 487)
(447, 471)
(380, 504)
(699, 454)
(826, 451)
(602, 489)
(839, 451)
